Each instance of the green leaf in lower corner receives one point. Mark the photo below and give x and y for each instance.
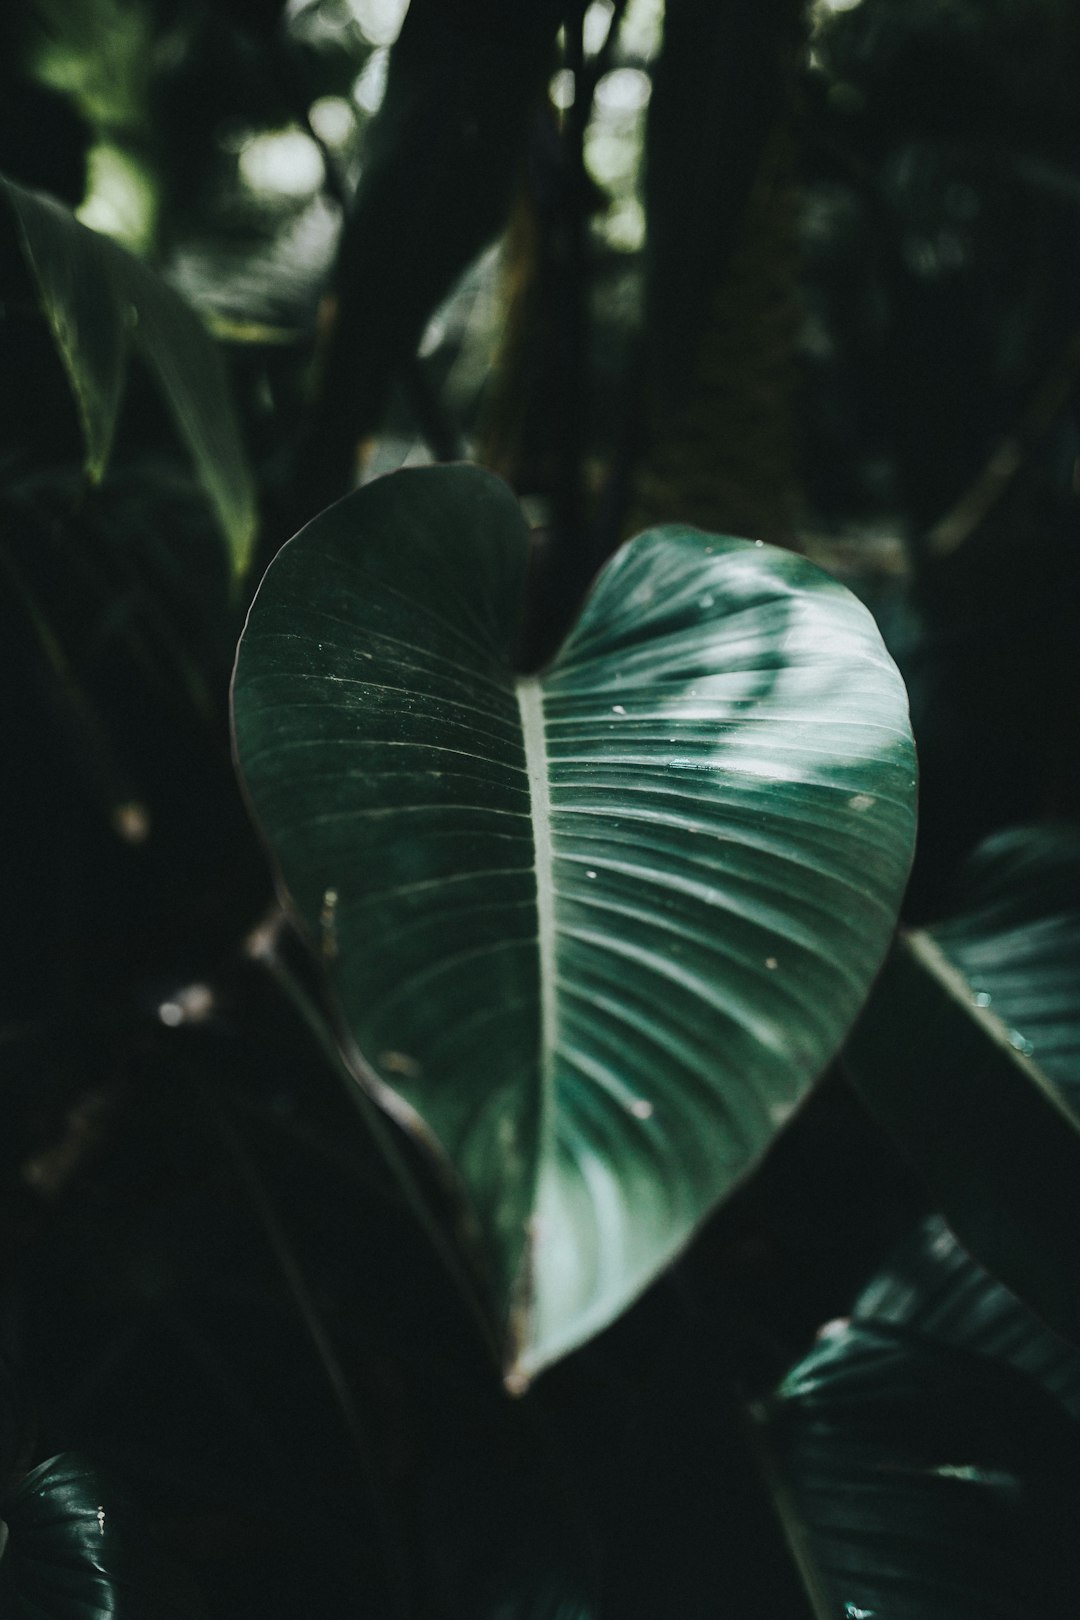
(595, 933)
(76, 1548)
(920, 1482)
(970, 1053)
(98, 300)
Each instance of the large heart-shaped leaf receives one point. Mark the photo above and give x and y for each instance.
(98, 299)
(920, 1482)
(75, 1547)
(595, 932)
(970, 1053)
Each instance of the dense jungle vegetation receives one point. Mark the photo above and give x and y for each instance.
(505, 1115)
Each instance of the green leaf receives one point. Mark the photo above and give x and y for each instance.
(595, 933)
(918, 1482)
(77, 1548)
(99, 300)
(932, 1286)
(970, 1053)
(1016, 940)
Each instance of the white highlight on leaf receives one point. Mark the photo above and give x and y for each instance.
(530, 697)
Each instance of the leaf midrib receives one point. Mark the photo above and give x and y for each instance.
(530, 696)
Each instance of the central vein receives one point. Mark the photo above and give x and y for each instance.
(530, 697)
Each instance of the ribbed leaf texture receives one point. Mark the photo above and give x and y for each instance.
(596, 932)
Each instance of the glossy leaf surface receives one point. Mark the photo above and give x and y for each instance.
(1016, 939)
(98, 300)
(918, 1482)
(970, 1053)
(78, 1549)
(598, 931)
(931, 1285)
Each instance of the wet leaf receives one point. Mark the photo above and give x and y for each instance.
(77, 1548)
(917, 1481)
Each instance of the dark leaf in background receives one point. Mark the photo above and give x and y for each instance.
(933, 1287)
(77, 1548)
(970, 1053)
(99, 300)
(920, 1482)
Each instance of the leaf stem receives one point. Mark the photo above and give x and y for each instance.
(383, 1136)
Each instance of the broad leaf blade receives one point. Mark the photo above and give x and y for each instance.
(600, 931)
(931, 1286)
(78, 1549)
(98, 299)
(85, 309)
(919, 1482)
(983, 1088)
(1016, 939)
(191, 374)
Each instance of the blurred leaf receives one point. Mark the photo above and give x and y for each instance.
(78, 1549)
(598, 931)
(970, 1053)
(918, 1482)
(439, 165)
(932, 1286)
(85, 308)
(98, 299)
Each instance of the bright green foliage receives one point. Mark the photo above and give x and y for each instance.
(918, 1481)
(983, 1088)
(597, 932)
(77, 1549)
(99, 301)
